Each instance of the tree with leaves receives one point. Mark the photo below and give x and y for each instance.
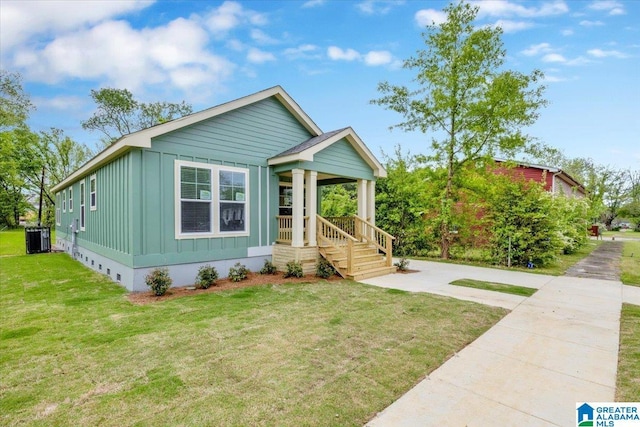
(119, 114)
(474, 108)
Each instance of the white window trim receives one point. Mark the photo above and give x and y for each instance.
(83, 206)
(215, 201)
(58, 213)
(64, 201)
(71, 198)
(93, 201)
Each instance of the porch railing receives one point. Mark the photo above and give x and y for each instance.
(285, 229)
(365, 231)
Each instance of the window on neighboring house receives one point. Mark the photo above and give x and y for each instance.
(64, 201)
(92, 195)
(58, 219)
(211, 200)
(71, 199)
(82, 206)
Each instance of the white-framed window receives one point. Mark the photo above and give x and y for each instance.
(58, 215)
(64, 201)
(92, 193)
(211, 200)
(82, 206)
(71, 199)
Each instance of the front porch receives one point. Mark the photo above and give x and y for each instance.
(354, 245)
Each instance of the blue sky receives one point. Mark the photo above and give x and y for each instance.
(329, 56)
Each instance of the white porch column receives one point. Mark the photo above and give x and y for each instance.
(311, 183)
(371, 202)
(297, 238)
(362, 198)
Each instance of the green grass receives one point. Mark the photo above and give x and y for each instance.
(628, 384)
(558, 268)
(497, 287)
(12, 242)
(630, 263)
(74, 351)
(627, 234)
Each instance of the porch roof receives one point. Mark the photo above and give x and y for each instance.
(307, 149)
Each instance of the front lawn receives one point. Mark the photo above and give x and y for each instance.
(75, 351)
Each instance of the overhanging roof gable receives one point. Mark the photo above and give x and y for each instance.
(306, 150)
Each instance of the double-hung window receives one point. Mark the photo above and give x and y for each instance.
(82, 206)
(58, 218)
(64, 202)
(71, 199)
(211, 200)
(92, 193)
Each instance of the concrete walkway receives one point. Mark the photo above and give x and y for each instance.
(555, 349)
(602, 263)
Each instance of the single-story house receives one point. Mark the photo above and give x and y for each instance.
(555, 180)
(237, 182)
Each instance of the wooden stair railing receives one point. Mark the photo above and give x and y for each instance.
(383, 241)
(334, 243)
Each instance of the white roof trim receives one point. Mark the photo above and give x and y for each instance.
(348, 134)
(143, 137)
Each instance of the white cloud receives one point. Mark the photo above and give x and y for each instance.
(378, 57)
(230, 15)
(337, 54)
(512, 26)
(302, 51)
(612, 6)
(379, 7)
(426, 17)
(554, 57)
(61, 103)
(599, 53)
(587, 23)
(20, 21)
(262, 37)
(258, 56)
(567, 32)
(506, 8)
(537, 49)
(129, 58)
(313, 3)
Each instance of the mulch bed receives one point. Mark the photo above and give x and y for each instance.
(253, 279)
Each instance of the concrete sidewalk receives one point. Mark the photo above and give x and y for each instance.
(555, 349)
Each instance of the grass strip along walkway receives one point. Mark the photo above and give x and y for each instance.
(497, 287)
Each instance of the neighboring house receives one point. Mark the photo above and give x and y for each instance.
(555, 180)
(234, 183)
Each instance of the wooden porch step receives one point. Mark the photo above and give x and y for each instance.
(372, 273)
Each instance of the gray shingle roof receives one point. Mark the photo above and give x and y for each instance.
(309, 143)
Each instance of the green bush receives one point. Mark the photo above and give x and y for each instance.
(238, 272)
(402, 264)
(207, 276)
(294, 269)
(159, 281)
(324, 268)
(268, 268)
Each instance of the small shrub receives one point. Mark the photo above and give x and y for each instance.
(324, 269)
(268, 268)
(402, 264)
(207, 276)
(238, 272)
(159, 281)
(294, 269)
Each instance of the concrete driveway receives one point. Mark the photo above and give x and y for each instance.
(556, 348)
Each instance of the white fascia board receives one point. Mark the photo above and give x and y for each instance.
(143, 138)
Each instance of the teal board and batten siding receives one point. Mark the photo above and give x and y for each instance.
(339, 159)
(242, 138)
(108, 228)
